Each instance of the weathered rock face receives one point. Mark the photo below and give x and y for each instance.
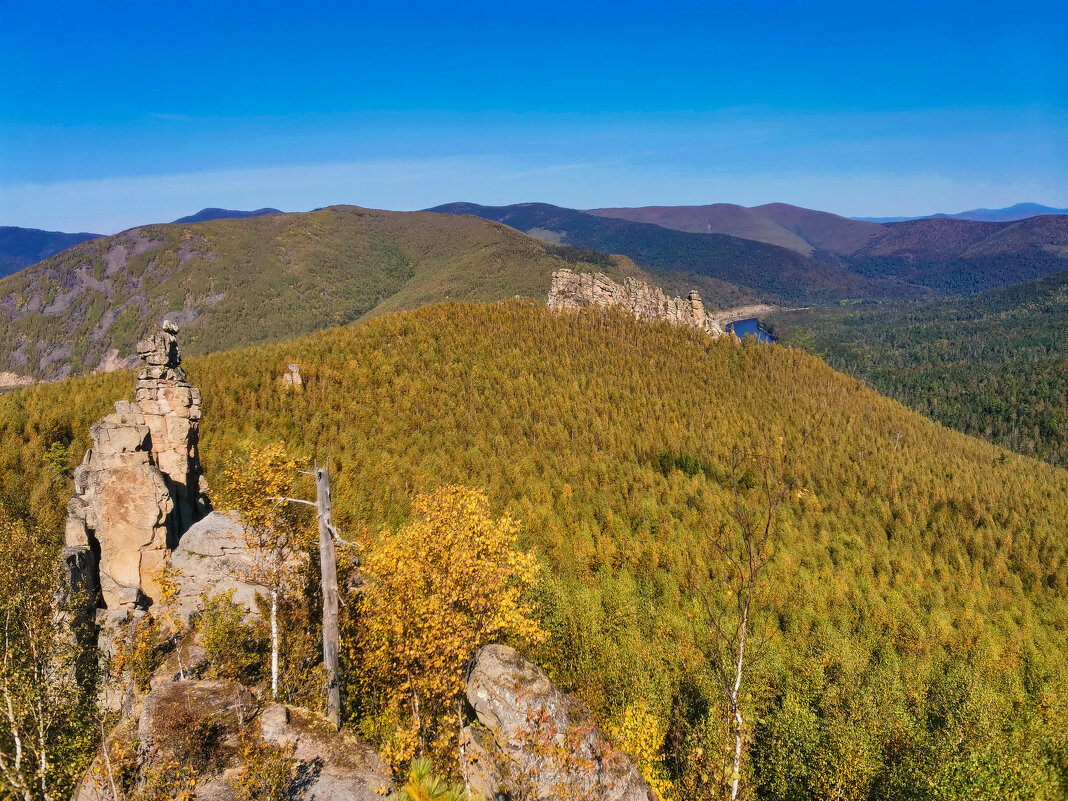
(11, 380)
(540, 736)
(201, 724)
(571, 291)
(120, 507)
(140, 486)
(171, 408)
(292, 377)
(211, 558)
(333, 765)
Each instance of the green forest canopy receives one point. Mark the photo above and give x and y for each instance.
(993, 365)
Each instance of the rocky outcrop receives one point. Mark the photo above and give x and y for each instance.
(331, 765)
(292, 378)
(140, 486)
(540, 737)
(14, 380)
(171, 408)
(201, 726)
(571, 291)
(211, 559)
(120, 508)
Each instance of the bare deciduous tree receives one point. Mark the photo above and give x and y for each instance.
(760, 483)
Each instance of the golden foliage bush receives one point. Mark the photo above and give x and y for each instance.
(437, 589)
(46, 691)
(267, 771)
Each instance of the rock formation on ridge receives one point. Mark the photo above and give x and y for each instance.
(140, 486)
(571, 291)
(203, 728)
(212, 559)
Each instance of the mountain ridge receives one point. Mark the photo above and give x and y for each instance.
(236, 282)
(214, 213)
(778, 273)
(942, 253)
(1013, 213)
(21, 247)
(807, 231)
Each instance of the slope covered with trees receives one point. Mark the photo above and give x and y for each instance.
(947, 254)
(954, 257)
(994, 365)
(910, 634)
(774, 272)
(230, 283)
(812, 233)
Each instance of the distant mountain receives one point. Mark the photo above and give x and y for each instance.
(224, 214)
(1021, 211)
(21, 247)
(775, 273)
(955, 257)
(230, 283)
(948, 255)
(812, 233)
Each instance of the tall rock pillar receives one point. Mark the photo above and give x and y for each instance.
(140, 486)
(171, 408)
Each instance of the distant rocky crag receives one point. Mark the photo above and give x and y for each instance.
(571, 291)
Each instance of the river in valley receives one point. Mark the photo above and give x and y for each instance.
(751, 326)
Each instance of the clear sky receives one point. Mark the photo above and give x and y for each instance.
(118, 113)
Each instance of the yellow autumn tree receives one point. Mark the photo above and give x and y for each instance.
(641, 735)
(276, 535)
(447, 583)
(44, 713)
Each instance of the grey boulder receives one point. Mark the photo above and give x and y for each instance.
(543, 743)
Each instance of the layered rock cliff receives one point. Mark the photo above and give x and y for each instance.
(572, 291)
(140, 486)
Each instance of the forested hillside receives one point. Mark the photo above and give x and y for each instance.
(993, 365)
(774, 272)
(946, 254)
(812, 233)
(230, 283)
(911, 628)
(954, 257)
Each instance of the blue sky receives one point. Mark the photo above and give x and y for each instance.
(114, 114)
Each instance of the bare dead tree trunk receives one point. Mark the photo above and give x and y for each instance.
(328, 566)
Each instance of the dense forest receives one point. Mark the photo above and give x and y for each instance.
(911, 627)
(993, 365)
(957, 257)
